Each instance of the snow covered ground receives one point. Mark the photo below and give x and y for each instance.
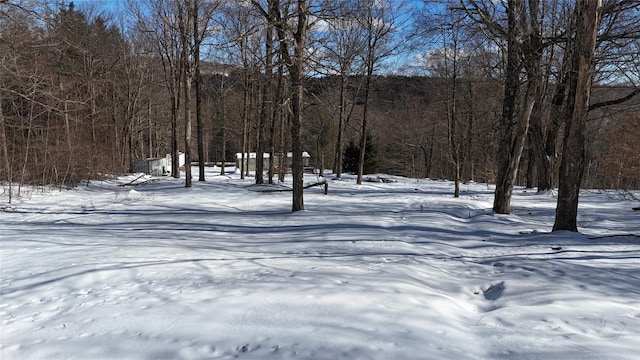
(397, 270)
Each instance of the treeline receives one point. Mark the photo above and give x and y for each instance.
(487, 96)
(78, 101)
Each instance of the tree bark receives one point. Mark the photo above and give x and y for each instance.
(377, 21)
(337, 167)
(452, 116)
(538, 156)
(187, 78)
(365, 119)
(506, 159)
(295, 65)
(186, 81)
(587, 15)
(197, 37)
(266, 111)
(516, 117)
(279, 111)
(296, 72)
(5, 154)
(175, 154)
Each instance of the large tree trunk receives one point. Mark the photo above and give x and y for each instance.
(587, 15)
(295, 65)
(296, 121)
(296, 72)
(508, 170)
(515, 119)
(507, 161)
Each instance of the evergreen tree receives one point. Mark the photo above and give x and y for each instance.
(351, 157)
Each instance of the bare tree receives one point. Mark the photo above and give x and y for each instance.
(291, 22)
(9, 17)
(295, 64)
(341, 51)
(515, 118)
(266, 109)
(158, 21)
(378, 19)
(523, 52)
(202, 13)
(4, 152)
(192, 29)
(587, 21)
(186, 74)
(238, 25)
(449, 61)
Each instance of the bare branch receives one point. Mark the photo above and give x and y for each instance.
(615, 101)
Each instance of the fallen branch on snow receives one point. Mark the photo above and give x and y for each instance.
(282, 189)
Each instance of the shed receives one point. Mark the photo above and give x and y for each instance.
(181, 160)
(152, 166)
(250, 160)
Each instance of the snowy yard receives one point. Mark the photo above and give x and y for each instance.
(398, 270)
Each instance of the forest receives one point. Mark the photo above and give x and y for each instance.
(538, 93)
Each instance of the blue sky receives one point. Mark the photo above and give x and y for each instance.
(105, 4)
(394, 63)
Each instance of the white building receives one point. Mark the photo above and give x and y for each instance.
(250, 160)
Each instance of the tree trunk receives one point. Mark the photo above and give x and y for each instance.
(175, 155)
(187, 130)
(297, 90)
(295, 65)
(452, 117)
(284, 123)
(587, 15)
(515, 119)
(546, 147)
(337, 167)
(276, 119)
(186, 88)
(245, 123)
(538, 156)
(296, 121)
(200, 127)
(260, 150)
(198, 85)
(507, 163)
(468, 162)
(266, 109)
(365, 122)
(223, 127)
(5, 154)
(531, 168)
